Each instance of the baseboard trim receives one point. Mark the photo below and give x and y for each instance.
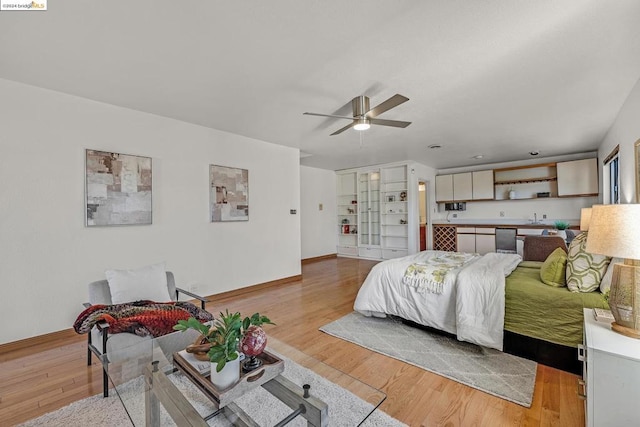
(253, 288)
(318, 258)
(49, 339)
(52, 338)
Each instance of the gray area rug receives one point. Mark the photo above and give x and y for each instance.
(500, 374)
(264, 408)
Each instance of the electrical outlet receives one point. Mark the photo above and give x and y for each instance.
(320, 207)
(544, 216)
(502, 213)
(455, 215)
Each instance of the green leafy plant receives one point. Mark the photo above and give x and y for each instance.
(561, 225)
(224, 334)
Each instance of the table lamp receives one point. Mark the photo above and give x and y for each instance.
(585, 219)
(614, 230)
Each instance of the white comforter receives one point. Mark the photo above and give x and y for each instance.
(471, 305)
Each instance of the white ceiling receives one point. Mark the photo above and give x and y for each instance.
(495, 77)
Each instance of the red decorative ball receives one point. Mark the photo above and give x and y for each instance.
(254, 341)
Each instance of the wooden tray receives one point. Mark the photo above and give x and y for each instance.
(271, 367)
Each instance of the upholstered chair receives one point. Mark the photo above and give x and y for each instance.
(101, 342)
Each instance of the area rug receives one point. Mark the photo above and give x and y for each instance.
(503, 375)
(263, 407)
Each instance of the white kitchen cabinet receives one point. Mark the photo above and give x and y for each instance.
(444, 188)
(466, 239)
(578, 178)
(611, 375)
(471, 239)
(485, 240)
(483, 188)
(462, 186)
(465, 186)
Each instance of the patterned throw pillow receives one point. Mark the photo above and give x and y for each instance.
(552, 271)
(605, 284)
(584, 270)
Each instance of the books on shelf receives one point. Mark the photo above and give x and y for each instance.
(203, 366)
(603, 315)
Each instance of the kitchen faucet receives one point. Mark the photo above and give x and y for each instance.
(535, 218)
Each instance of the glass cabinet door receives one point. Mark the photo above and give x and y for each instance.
(369, 208)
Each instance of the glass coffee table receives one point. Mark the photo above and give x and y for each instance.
(155, 393)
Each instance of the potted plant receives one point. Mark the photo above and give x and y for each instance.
(561, 226)
(223, 338)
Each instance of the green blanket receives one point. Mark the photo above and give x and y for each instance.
(540, 311)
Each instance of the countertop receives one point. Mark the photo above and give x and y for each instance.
(502, 223)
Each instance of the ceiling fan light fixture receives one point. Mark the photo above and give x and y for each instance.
(363, 124)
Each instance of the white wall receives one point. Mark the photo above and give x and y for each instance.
(624, 132)
(47, 255)
(319, 229)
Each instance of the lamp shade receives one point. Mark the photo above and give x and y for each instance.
(614, 230)
(585, 218)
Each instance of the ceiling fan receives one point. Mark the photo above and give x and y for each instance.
(363, 116)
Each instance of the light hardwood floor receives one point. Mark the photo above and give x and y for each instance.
(34, 381)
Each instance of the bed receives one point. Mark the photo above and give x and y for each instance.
(518, 314)
(470, 303)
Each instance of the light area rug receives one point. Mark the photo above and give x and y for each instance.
(260, 405)
(503, 375)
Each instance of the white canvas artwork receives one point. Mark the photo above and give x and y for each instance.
(229, 194)
(118, 189)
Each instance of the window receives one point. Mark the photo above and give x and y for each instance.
(612, 171)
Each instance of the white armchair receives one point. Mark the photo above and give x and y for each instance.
(100, 341)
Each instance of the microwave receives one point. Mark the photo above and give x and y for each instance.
(458, 206)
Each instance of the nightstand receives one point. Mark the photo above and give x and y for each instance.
(611, 375)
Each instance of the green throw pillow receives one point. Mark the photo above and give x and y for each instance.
(584, 270)
(553, 268)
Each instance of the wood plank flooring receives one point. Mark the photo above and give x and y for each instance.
(43, 378)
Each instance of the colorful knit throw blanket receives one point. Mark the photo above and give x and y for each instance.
(142, 318)
(429, 275)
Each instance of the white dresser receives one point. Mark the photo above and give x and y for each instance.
(611, 375)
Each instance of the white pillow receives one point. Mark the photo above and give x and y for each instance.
(146, 283)
(605, 284)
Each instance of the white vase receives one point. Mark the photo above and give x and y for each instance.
(229, 375)
(562, 234)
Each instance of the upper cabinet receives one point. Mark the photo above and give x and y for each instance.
(462, 186)
(578, 178)
(465, 186)
(482, 185)
(444, 188)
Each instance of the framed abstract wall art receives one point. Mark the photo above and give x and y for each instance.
(118, 189)
(228, 194)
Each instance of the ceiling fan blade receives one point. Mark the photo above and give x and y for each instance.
(394, 123)
(328, 115)
(349, 126)
(390, 103)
